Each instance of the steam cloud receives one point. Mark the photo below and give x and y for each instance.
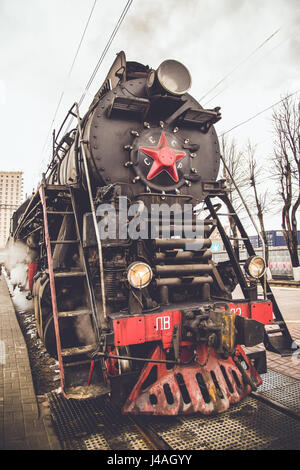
(16, 258)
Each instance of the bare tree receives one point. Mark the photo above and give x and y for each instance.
(286, 125)
(261, 203)
(234, 161)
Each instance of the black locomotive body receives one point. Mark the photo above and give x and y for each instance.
(130, 302)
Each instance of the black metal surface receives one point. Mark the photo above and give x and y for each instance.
(250, 332)
(93, 424)
(102, 129)
(259, 360)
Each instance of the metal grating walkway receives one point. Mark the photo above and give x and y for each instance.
(248, 425)
(93, 424)
(282, 390)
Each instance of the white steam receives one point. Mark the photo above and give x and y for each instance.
(84, 330)
(16, 261)
(20, 301)
(18, 275)
(16, 258)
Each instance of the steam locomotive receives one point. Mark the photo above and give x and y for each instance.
(126, 294)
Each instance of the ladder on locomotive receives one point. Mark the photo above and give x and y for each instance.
(277, 340)
(89, 310)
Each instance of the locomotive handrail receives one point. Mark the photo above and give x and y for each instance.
(93, 214)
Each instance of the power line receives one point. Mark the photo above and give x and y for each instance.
(124, 12)
(69, 73)
(239, 64)
(118, 25)
(258, 114)
(108, 44)
(260, 58)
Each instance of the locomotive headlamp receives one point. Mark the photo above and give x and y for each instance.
(255, 266)
(139, 275)
(174, 77)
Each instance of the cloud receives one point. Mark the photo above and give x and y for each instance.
(211, 37)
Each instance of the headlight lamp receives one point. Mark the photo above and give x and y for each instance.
(139, 275)
(255, 267)
(174, 77)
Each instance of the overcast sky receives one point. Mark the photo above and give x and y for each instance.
(213, 38)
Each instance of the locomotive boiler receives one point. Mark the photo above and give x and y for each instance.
(126, 294)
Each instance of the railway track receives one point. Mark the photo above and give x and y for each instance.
(284, 283)
(267, 419)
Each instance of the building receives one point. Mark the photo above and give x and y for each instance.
(274, 238)
(11, 196)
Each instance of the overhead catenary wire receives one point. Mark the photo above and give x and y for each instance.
(259, 113)
(112, 36)
(105, 50)
(69, 74)
(239, 64)
(259, 59)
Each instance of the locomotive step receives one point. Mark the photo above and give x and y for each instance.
(60, 187)
(67, 352)
(237, 238)
(63, 242)
(226, 214)
(60, 212)
(60, 242)
(74, 313)
(68, 273)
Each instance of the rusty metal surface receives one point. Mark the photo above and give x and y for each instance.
(210, 384)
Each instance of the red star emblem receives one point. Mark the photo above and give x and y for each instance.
(165, 158)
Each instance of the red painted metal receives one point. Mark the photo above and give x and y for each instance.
(52, 287)
(112, 363)
(146, 328)
(261, 311)
(91, 372)
(32, 269)
(165, 158)
(209, 384)
(159, 326)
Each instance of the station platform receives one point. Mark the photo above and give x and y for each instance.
(22, 423)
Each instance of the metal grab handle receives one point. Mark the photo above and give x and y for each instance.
(93, 214)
